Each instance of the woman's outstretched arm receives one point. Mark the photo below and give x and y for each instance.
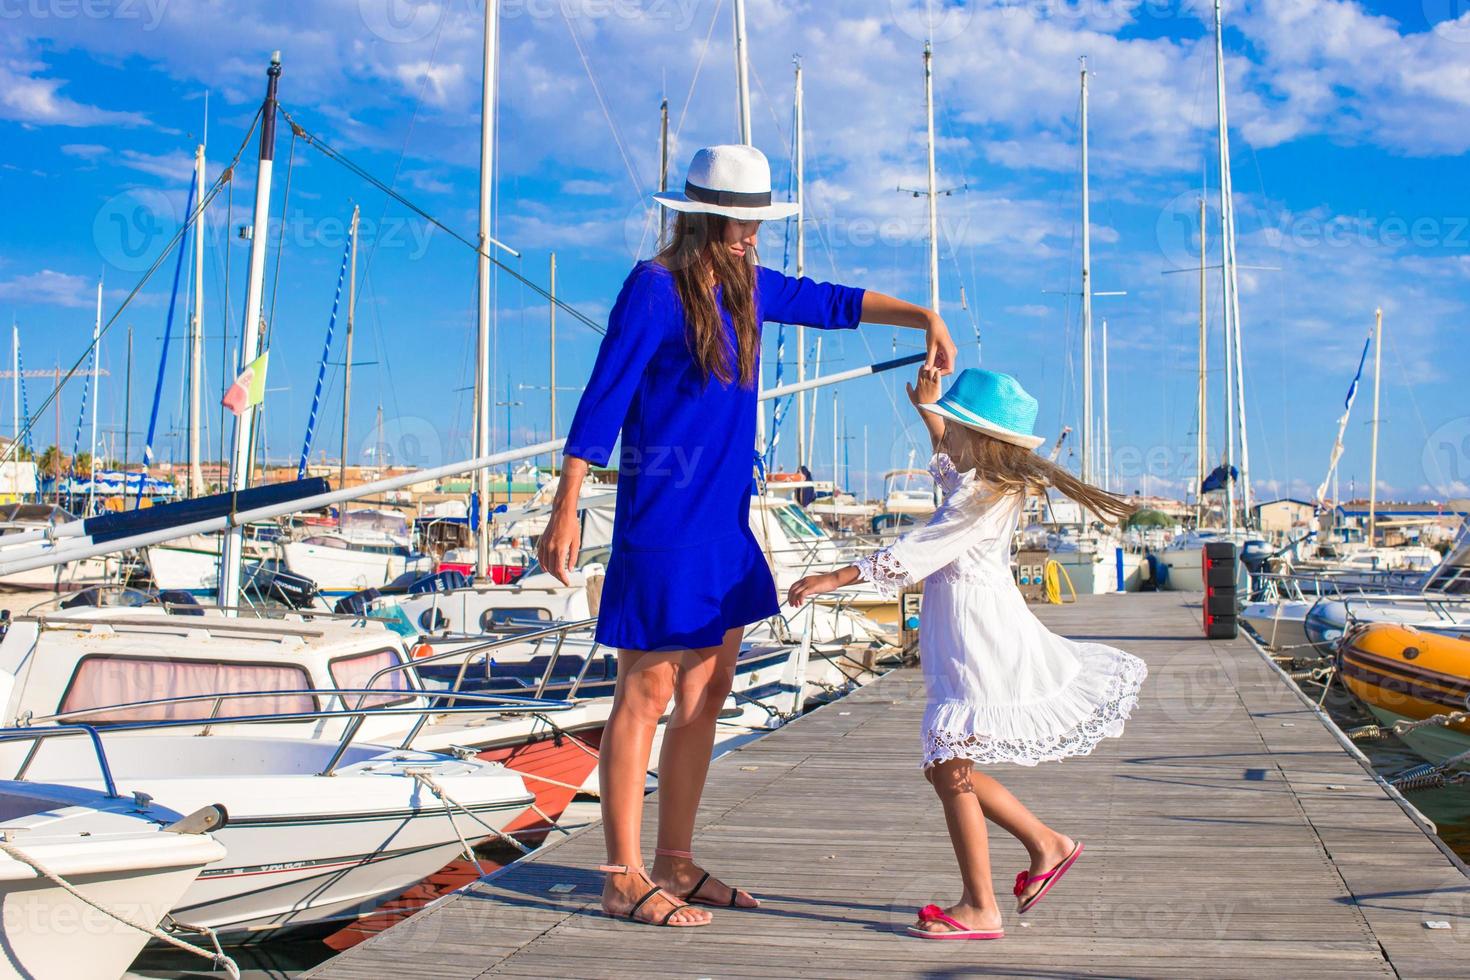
(881, 308)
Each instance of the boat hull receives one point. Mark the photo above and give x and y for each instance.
(1402, 673)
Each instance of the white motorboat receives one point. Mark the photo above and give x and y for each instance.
(368, 549)
(1184, 558)
(309, 841)
(65, 577)
(130, 855)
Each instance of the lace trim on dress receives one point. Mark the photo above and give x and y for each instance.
(886, 571)
(946, 474)
(1106, 721)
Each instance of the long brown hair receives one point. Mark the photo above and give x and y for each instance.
(1011, 469)
(693, 251)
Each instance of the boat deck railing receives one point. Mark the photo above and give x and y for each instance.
(37, 736)
(67, 722)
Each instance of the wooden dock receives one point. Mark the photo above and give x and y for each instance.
(1230, 832)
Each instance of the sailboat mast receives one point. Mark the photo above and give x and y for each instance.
(799, 166)
(229, 575)
(551, 288)
(663, 165)
(742, 74)
(1202, 438)
(347, 354)
(933, 190)
(1087, 446)
(96, 370)
(1373, 466)
(1226, 279)
(482, 334)
(196, 334)
(1106, 442)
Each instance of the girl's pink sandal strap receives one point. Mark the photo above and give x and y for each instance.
(619, 869)
(933, 913)
(669, 852)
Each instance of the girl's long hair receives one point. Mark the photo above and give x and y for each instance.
(693, 250)
(1011, 469)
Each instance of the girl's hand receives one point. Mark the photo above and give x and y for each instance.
(812, 585)
(926, 391)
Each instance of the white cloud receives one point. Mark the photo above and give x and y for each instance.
(51, 288)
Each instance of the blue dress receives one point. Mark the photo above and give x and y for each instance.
(684, 566)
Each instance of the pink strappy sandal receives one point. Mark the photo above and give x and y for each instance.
(648, 918)
(958, 930)
(692, 895)
(1025, 880)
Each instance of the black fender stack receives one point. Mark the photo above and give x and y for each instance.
(1218, 570)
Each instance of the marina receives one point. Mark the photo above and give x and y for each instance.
(880, 448)
(1236, 833)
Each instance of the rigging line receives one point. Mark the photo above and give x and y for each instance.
(225, 177)
(602, 103)
(326, 150)
(694, 80)
(281, 239)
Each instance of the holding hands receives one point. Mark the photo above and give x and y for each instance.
(817, 584)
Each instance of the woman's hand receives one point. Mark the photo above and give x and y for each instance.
(817, 584)
(926, 390)
(941, 348)
(560, 543)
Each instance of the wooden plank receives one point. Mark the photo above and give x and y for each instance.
(1229, 833)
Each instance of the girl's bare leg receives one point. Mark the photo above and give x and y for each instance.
(701, 686)
(1046, 847)
(645, 684)
(965, 818)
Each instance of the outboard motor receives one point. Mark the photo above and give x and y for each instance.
(357, 603)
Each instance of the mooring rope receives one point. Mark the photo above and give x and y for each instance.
(218, 957)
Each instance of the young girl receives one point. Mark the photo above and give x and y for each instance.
(1002, 688)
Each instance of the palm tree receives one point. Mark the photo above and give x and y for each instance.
(52, 462)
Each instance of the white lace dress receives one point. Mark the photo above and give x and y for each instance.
(1002, 687)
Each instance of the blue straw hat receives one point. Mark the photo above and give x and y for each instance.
(992, 403)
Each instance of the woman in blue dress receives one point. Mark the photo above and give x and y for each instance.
(676, 377)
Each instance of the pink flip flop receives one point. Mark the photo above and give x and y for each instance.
(1025, 879)
(933, 913)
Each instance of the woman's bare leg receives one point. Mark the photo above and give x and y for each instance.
(701, 686)
(965, 819)
(1046, 847)
(645, 684)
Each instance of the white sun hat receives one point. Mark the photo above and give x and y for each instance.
(732, 180)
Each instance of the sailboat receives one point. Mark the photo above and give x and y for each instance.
(1183, 558)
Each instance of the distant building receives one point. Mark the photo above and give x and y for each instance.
(1284, 515)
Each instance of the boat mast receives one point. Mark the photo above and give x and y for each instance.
(1373, 466)
(799, 165)
(551, 289)
(1106, 441)
(1226, 278)
(1231, 267)
(1202, 438)
(347, 355)
(933, 190)
(742, 74)
(196, 333)
(482, 335)
(96, 370)
(663, 167)
(1087, 446)
(229, 573)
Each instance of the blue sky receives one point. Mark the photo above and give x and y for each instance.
(1350, 130)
